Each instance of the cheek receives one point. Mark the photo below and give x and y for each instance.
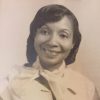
(66, 50)
(67, 46)
(39, 39)
(37, 42)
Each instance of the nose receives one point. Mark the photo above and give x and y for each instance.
(53, 40)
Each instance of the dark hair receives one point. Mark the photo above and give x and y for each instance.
(52, 13)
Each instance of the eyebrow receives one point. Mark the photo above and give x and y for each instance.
(44, 26)
(67, 30)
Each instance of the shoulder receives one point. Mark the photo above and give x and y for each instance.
(17, 76)
(17, 81)
(26, 73)
(23, 79)
(78, 76)
(6, 78)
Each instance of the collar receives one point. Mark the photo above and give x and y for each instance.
(59, 72)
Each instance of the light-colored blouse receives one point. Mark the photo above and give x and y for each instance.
(27, 84)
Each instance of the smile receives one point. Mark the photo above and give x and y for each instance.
(51, 52)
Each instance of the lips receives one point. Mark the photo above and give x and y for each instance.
(51, 52)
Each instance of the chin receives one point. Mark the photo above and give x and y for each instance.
(50, 61)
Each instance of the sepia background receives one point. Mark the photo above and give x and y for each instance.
(15, 19)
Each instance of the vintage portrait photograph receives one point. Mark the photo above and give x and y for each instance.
(50, 50)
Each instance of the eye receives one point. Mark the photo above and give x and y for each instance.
(64, 36)
(44, 31)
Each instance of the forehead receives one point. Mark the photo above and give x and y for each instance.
(65, 22)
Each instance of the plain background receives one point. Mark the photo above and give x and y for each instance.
(15, 19)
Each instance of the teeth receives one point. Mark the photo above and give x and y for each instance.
(50, 52)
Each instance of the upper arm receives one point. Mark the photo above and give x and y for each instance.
(5, 92)
(3, 84)
(6, 95)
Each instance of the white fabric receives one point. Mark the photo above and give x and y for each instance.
(23, 86)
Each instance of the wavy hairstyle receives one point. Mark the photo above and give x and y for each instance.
(52, 13)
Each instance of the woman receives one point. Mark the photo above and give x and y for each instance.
(52, 45)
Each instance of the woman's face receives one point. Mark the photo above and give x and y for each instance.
(54, 41)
